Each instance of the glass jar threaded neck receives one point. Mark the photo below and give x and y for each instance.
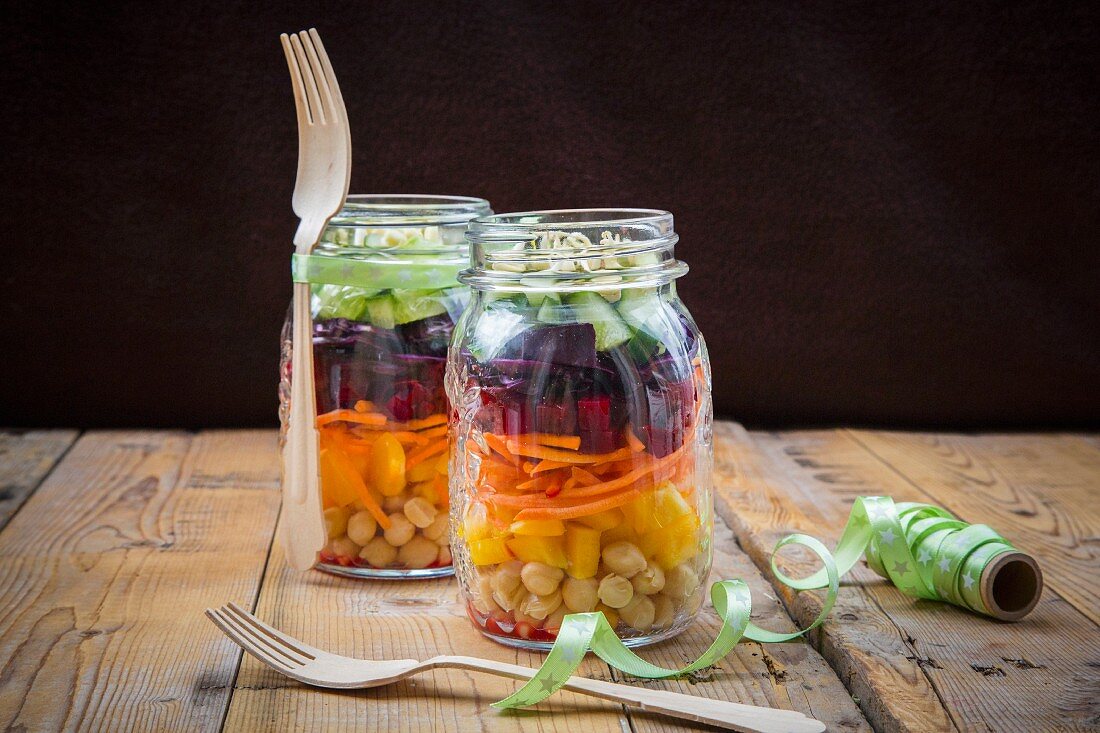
(572, 249)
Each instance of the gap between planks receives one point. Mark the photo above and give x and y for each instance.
(26, 460)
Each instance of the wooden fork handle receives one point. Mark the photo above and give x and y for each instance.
(728, 715)
(303, 532)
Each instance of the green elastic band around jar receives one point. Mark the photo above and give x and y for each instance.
(408, 274)
(341, 260)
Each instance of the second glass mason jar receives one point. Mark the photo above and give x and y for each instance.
(581, 466)
(385, 297)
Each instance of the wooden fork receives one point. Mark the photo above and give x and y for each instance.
(312, 666)
(324, 171)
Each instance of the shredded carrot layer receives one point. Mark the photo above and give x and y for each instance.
(604, 487)
(532, 450)
(421, 454)
(579, 510)
(569, 442)
(361, 418)
(378, 420)
(545, 465)
(434, 432)
(428, 422)
(583, 477)
(407, 436)
(500, 447)
(550, 479)
(538, 483)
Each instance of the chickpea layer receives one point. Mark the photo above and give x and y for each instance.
(640, 584)
(418, 535)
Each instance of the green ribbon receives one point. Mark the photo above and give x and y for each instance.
(407, 272)
(922, 549)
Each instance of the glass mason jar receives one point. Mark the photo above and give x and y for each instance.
(385, 297)
(581, 464)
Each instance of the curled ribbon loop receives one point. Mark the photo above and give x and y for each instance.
(920, 548)
(583, 632)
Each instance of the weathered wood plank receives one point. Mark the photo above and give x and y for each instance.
(106, 571)
(1039, 490)
(26, 457)
(793, 676)
(1038, 674)
(393, 620)
(860, 640)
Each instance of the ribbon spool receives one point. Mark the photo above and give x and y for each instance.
(926, 552)
(1010, 586)
(922, 549)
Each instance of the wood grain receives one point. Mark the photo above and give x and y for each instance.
(1038, 674)
(860, 640)
(793, 676)
(25, 459)
(1039, 490)
(106, 570)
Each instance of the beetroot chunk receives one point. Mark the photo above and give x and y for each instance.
(597, 441)
(594, 413)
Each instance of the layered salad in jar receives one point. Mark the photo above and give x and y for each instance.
(379, 361)
(582, 469)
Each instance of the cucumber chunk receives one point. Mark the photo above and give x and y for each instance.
(341, 301)
(416, 305)
(380, 311)
(590, 307)
(651, 317)
(552, 311)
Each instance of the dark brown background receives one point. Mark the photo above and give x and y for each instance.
(890, 209)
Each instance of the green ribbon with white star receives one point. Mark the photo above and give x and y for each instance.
(584, 632)
(922, 549)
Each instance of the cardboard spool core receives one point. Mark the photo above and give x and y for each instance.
(1011, 585)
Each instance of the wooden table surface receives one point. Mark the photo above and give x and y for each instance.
(113, 543)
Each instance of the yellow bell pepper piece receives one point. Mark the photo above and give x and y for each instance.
(549, 550)
(386, 472)
(335, 489)
(502, 514)
(622, 533)
(669, 505)
(489, 551)
(423, 471)
(538, 527)
(604, 520)
(655, 509)
(669, 546)
(582, 550)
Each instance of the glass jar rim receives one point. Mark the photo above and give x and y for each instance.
(552, 219)
(379, 210)
(572, 249)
